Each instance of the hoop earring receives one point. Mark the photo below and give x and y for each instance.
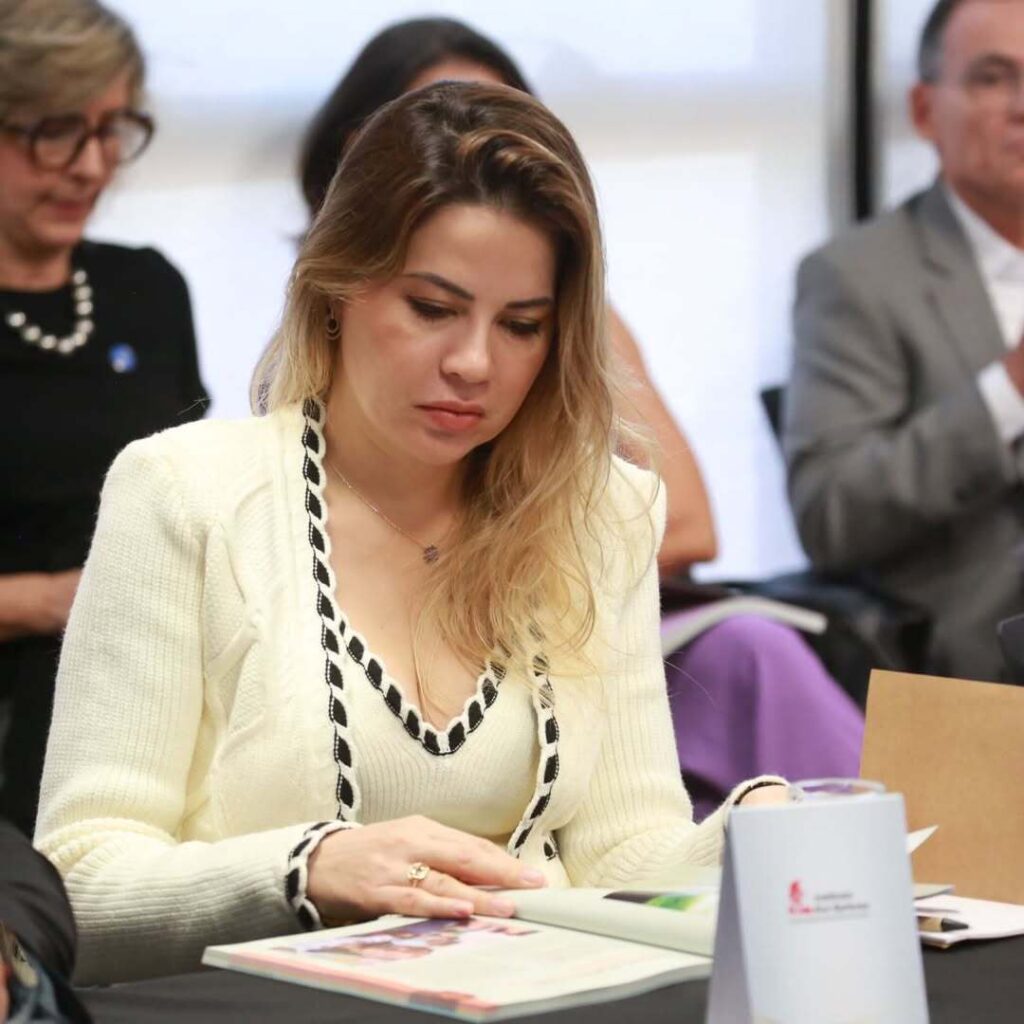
(332, 327)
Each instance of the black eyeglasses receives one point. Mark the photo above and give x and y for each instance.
(55, 143)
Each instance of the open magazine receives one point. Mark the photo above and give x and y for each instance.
(565, 948)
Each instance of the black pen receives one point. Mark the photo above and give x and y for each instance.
(940, 924)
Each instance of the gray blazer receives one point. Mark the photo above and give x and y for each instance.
(894, 462)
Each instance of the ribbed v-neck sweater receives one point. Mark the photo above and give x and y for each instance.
(215, 709)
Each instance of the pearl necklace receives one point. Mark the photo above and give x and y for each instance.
(33, 334)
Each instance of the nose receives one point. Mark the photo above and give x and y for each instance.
(1015, 96)
(1017, 101)
(90, 163)
(468, 357)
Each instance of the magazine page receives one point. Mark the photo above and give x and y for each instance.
(477, 969)
(681, 918)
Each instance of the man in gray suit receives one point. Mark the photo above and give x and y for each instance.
(904, 420)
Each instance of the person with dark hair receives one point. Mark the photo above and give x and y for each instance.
(905, 412)
(388, 66)
(804, 724)
(96, 341)
(395, 638)
(932, 41)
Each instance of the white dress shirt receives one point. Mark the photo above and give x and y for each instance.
(1002, 270)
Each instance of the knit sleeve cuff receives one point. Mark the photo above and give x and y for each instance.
(708, 846)
(297, 874)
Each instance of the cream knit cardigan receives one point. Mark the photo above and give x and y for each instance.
(200, 728)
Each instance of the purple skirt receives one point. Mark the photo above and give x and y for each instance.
(749, 697)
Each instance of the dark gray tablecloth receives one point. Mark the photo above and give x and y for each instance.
(972, 982)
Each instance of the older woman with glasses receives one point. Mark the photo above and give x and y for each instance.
(96, 341)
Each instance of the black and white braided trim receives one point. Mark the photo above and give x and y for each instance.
(297, 873)
(547, 767)
(336, 631)
(331, 626)
(436, 741)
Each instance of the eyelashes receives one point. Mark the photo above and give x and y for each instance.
(429, 310)
(523, 328)
(433, 312)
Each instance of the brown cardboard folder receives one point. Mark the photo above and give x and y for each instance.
(955, 750)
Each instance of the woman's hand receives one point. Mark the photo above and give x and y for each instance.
(766, 796)
(364, 872)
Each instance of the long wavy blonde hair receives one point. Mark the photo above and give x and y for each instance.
(516, 578)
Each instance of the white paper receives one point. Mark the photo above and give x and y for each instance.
(985, 919)
(916, 839)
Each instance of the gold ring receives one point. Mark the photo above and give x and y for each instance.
(416, 873)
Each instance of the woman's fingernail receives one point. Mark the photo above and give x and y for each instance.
(461, 908)
(503, 908)
(532, 877)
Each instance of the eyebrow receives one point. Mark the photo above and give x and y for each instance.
(461, 293)
(993, 58)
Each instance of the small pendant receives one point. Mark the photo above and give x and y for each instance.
(430, 554)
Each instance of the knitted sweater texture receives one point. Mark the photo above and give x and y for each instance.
(213, 704)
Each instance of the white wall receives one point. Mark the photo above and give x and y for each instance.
(705, 127)
(906, 163)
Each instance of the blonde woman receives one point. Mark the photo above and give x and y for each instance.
(96, 340)
(748, 695)
(396, 638)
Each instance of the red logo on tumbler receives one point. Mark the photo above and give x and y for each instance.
(796, 899)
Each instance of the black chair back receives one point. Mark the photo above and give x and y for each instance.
(1011, 641)
(772, 402)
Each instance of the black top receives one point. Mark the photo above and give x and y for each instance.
(64, 417)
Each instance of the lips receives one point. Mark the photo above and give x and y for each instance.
(453, 417)
(72, 209)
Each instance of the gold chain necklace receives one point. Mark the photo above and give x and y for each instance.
(430, 552)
